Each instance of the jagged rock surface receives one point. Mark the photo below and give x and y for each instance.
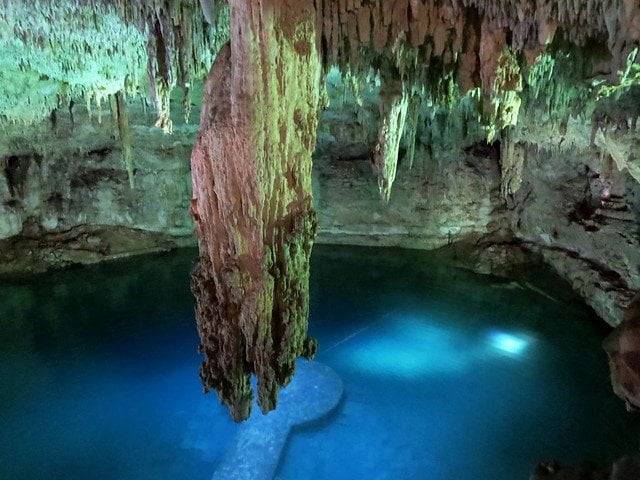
(449, 192)
(580, 211)
(252, 202)
(57, 52)
(65, 195)
(552, 87)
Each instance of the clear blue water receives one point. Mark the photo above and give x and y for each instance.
(447, 374)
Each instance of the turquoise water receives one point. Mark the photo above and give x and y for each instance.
(447, 375)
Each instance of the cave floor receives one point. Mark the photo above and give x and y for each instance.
(447, 374)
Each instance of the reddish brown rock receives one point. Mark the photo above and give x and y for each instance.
(442, 28)
(251, 169)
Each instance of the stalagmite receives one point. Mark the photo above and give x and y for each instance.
(252, 205)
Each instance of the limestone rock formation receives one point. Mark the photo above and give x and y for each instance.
(577, 208)
(252, 202)
(97, 48)
(65, 194)
(499, 122)
(623, 349)
(394, 103)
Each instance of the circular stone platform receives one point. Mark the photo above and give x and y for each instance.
(314, 392)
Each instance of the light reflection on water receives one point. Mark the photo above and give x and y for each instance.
(415, 347)
(447, 375)
(512, 344)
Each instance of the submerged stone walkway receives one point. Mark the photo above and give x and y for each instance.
(314, 392)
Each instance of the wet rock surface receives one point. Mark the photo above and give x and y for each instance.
(627, 468)
(576, 207)
(623, 349)
(81, 245)
(252, 203)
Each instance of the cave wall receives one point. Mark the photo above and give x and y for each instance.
(65, 196)
(567, 191)
(564, 189)
(443, 196)
(72, 203)
(429, 208)
(577, 206)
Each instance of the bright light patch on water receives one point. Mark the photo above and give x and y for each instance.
(410, 347)
(509, 343)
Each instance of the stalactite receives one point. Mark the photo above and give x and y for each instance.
(488, 44)
(98, 98)
(70, 108)
(412, 125)
(417, 35)
(163, 105)
(179, 47)
(394, 103)
(122, 119)
(208, 8)
(94, 45)
(512, 159)
(56, 46)
(252, 204)
(504, 96)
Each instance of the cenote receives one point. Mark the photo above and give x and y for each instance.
(447, 374)
(319, 239)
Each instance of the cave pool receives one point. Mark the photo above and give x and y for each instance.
(447, 375)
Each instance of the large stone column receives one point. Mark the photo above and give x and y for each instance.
(252, 201)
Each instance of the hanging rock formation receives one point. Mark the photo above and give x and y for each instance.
(394, 102)
(119, 110)
(448, 70)
(484, 44)
(251, 164)
(95, 48)
(252, 201)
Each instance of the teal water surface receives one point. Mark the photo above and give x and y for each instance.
(448, 375)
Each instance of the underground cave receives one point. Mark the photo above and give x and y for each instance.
(320, 239)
